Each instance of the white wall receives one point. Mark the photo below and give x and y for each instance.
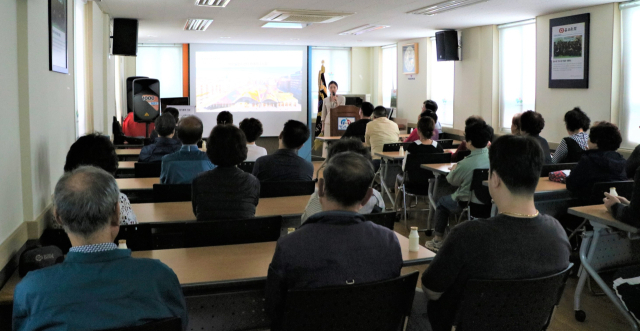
(412, 89)
(361, 75)
(596, 101)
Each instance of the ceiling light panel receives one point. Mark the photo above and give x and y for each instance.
(304, 16)
(363, 29)
(212, 3)
(444, 7)
(197, 24)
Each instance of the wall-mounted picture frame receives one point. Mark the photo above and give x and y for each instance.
(569, 52)
(58, 57)
(410, 56)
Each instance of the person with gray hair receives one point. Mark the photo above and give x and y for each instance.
(97, 286)
(380, 131)
(337, 246)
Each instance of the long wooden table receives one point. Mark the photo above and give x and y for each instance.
(224, 265)
(128, 152)
(335, 138)
(126, 165)
(544, 186)
(183, 211)
(137, 184)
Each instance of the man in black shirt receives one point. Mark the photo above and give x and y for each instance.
(518, 243)
(359, 127)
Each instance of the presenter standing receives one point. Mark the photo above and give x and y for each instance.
(332, 101)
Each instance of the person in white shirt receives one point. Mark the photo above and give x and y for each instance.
(252, 129)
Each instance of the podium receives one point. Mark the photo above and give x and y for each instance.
(341, 117)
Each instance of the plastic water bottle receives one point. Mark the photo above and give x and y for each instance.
(613, 192)
(414, 240)
(204, 145)
(122, 244)
(401, 151)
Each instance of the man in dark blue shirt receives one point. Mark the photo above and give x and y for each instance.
(188, 162)
(97, 287)
(285, 164)
(164, 144)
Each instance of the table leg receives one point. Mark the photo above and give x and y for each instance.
(432, 199)
(383, 185)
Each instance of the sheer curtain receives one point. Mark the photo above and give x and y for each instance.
(163, 62)
(630, 117)
(517, 70)
(442, 85)
(337, 65)
(390, 76)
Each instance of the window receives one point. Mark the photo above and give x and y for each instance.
(517, 70)
(390, 76)
(79, 68)
(630, 117)
(442, 84)
(162, 62)
(337, 66)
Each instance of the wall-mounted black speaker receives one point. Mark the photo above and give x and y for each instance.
(447, 45)
(125, 37)
(146, 99)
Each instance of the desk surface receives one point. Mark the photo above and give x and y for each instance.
(439, 168)
(397, 156)
(599, 214)
(128, 151)
(545, 186)
(334, 138)
(221, 264)
(183, 211)
(126, 165)
(137, 183)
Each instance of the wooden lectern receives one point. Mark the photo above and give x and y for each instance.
(341, 117)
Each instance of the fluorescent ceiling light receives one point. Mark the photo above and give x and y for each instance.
(282, 25)
(212, 3)
(197, 24)
(363, 29)
(445, 6)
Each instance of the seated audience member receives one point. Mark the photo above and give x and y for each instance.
(601, 163)
(226, 192)
(252, 129)
(131, 128)
(571, 148)
(477, 136)
(359, 127)
(624, 210)
(633, 162)
(518, 243)
(285, 164)
(516, 128)
(429, 108)
(225, 118)
(97, 286)
(463, 144)
(98, 151)
(532, 123)
(425, 145)
(380, 131)
(337, 246)
(346, 145)
(164, 144)
(184, 165)
(176, 116)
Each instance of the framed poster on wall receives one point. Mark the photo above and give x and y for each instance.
(410, 59)
(58, 57)
(569, 52)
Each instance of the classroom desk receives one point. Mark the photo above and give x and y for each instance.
(128, 152)
(126, 165)
(438, 169)
(137, 184)
(544, 186)
(335, 138)
(611, 244)
(183, 211)
(386, 158)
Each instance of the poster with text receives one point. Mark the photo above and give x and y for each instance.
(569, 48)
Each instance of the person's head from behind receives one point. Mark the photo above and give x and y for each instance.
(366, 109)
(86, 204)
(516, 128)
(605, 136)
(227, 146)
(294, 135)
(379, 112)
(224, 118)
(472, 120)
(252, 129)
(515, 163)
(165, 125)
(92, 150)
(430, 105)
(190, 130)
(348, 145)
(426, 125)
(428, 113)
(478, 135)
(576, 121)
(531, 123)
(174, 112)
(333, 87)
(346, 181)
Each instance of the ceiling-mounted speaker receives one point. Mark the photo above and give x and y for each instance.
(125, 37)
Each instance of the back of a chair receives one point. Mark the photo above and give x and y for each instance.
(624, 189)
(383, 219)
(461, 155)
(233, 232)
(394, 147)
(147, 169)
(169, 324)
(525, 304)
(171, 192)
(418, 178)
(445, 143)
(478, 188)
(374, 306)
(286, 188)
(547, 168)
(247, 166)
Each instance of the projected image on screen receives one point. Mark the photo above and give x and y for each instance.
(249, 81)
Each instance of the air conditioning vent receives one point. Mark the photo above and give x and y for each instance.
(304, 16)
(212, 3)
(197, 24)
(444, 7)
(363, 29)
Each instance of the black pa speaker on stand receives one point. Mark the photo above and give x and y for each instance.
(146, 101)
(130, 92)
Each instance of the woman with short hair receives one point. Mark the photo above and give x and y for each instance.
(571, 148)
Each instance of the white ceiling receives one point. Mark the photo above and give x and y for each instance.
(162, 21)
